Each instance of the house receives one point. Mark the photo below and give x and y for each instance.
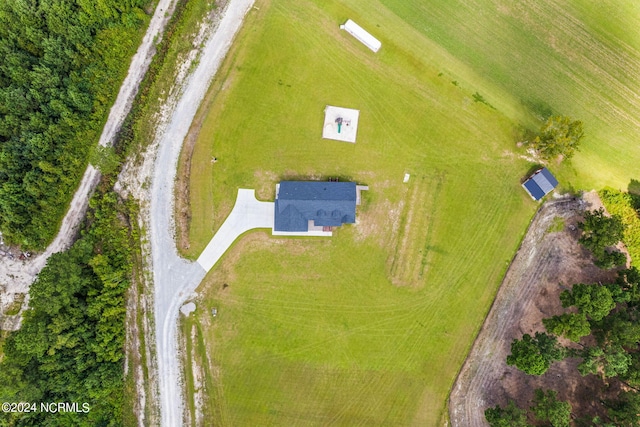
(361, 35)
(314, 207)
(540, 184)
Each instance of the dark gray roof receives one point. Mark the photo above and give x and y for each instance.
(540, 183)
(326, 203)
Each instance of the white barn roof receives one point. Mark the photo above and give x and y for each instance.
(362, 35)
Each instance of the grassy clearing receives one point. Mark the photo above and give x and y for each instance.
(557, 225)
(626, 206)
(371, 326)
(315, 331)
(577, 58)
(15, 306)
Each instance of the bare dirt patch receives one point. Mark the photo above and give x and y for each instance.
(267, 182)
(546, 263)
(183, 209)
(369, 223)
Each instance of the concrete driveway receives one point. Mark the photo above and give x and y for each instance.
(247, 214)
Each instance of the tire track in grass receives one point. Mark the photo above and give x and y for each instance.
(380, 383)
(388, 362)
(412, 245)
(602, 67)
(383, 323)
(476, 387)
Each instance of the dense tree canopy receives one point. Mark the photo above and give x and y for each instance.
(560, 135)
(599, 233)
(626, 207)
(610, 360)
(533, 355)
(70, 346)
(547, 407)
(624, 410)
(62, 61)
(509, 416)
(594, 301)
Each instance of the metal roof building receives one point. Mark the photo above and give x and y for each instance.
(361, 35)
(301, 204)
(540, 184)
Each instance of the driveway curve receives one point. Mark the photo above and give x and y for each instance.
(247, 214)
(18, 275)
(174, 278)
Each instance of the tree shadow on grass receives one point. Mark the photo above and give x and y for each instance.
(335, 178)
(634, 191)
(540, 109)
(532, 169)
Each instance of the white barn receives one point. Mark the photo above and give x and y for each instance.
(362, 35)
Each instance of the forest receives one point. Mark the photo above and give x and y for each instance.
(71, 344)
(62, 65)
(601, 322)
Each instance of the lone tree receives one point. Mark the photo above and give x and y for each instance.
(560, 135)
(533, 355)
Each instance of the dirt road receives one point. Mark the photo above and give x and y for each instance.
(175, 279)
(546, 263)
(17, 275)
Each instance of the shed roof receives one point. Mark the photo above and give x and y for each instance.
(362, 35)
(326, 203)
(541, 183)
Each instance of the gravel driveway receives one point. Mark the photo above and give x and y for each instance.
(18, 275)
(175, 279)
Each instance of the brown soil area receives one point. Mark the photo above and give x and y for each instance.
(546, 263)
(183, 209)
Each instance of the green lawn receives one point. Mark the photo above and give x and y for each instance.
(579, 59)
(371, 326)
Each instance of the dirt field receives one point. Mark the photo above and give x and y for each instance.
(546, 263)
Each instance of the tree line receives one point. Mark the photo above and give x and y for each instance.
(62, 64)
(71, 344)
(601, 319)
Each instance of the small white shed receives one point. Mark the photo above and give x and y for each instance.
(362, 35)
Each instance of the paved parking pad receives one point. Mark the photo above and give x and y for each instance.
(248, 213)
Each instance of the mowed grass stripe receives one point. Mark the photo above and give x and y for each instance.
(412, 246)
(570, 58)
(313, 331)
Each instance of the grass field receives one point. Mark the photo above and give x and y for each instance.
(371, 326)
(579, 59)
